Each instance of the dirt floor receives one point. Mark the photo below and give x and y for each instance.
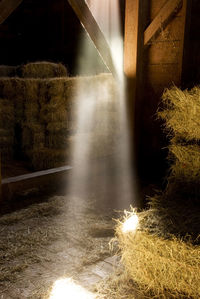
(59, 237)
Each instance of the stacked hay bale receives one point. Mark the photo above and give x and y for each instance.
(53, 116)
(33, 131)
(42, 69)
(49, 109)
(6, 129)
(39, 78)
(162, 254)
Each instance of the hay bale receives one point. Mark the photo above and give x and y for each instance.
(46, 158)
(56, 87)
(181, 112)
(58, 127)
(7, 88)
(57, 141)
(43, 69)
(33, 136)
(51, 116)
(31, 89)
(31, 111)
(43, 96)
(187, 161)
(7, 117)
(160, 264)
(8, 71)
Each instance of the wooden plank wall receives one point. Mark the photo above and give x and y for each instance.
(162, 68)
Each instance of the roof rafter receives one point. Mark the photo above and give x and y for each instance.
(7, 7)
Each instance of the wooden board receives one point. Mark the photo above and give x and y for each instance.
(161, 76)
(161, 20)
(132, 41)
(165, 52)
(171, 32)
(7, 7)
(155, 7)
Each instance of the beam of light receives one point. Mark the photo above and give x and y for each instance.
(130, 224)
(94, 122)
(66, 288)
(107, 14)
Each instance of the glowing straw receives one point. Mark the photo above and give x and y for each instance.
(66, 288)
(131, 224)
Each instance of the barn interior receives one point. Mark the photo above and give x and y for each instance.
(100, 149)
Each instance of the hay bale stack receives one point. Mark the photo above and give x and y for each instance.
(45, 158)
(159, 264)
(181, 110)
(46, 111)
(162, 255)
(181, 113)
(6, 129)
(43, 69)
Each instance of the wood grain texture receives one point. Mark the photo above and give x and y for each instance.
(155, 6)
(7, 7)
(161, 20)
(164, 52)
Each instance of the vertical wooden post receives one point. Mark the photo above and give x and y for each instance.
(133, 64)
(133, 52)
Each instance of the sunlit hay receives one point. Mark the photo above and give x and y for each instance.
(173, 214)
(73, 290)
(43, 69)
(186, 161)
(181, 112)
(45, 158)
(160, 264)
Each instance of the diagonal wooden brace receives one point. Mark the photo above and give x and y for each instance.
(89, 23)
(170, 8)
(7, 7)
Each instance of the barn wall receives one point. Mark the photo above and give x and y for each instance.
(162, 67)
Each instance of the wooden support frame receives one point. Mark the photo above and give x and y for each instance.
(7, 7)
(88, 21)
(161, 20)
(133, 40)
(135, 11)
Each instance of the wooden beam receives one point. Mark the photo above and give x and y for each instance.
(161, 20)
(133, 37)
(7, 7)
(40, 182)
(91, 26)
(135, 14)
